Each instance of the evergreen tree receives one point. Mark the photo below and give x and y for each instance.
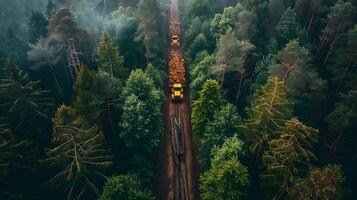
(78, 154)
(340, 19)
(303, 82)
(227, 58)
(86, 89)
(200, 72)
(232, 147)
(224, 124)
(227, 181)
(125, 187)
(109, 58)
(27, 105)
(268, 110)
(288, 29)
(322, 183)
(288, 154)
(203, 109)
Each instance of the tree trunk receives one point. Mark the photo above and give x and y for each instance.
(311, 22)
(332, 45)
(239, 87)
(223, 74)
(55, 78)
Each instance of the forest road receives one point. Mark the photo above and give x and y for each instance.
(176, 179)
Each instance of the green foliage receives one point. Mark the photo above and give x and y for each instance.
(149, 31)
(288, 29)
(203, 109)
(86, 89)
(227, 181)
(288, 154)
(200, 72)
(231, 148)
(109, 58)
(78, 155)
(141, 124)
(27, 105)
(126, 187)
(228, 55)
(325, 183)
(225, 124)
(268, 110)
(303, 82)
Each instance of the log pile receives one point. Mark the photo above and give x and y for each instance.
(175, 29)
(176, 68)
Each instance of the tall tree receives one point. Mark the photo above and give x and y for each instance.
(227, 58)
(321, 183)
(268, 110)
(27, 105)
(288, 29)
(203, 109)
(227, 181)
(149, 31)
(86, 101)
(109, 58)
(232, 147)
(288, 154)
(125, 187)
(78, 154)
(223, 125)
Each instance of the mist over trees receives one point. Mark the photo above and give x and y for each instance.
(272, 88)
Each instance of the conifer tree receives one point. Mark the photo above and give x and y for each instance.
(27, 105)
(227, 181)
(127, 187)
(86, 89)
(224, 124)
(78, 154)
(203, 109)
(232, 147)
(109, 58)
(228, 55)
(267, 113)
(288, 154)
(322, 183)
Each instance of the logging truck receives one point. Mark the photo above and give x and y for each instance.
(175, 34)
(176, 76)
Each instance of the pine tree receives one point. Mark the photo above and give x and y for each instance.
(227, 58)
(109, 58)
(127, 187)
(322, 183)
(27, 105)
(289, 29)
(203, 109)
(288, 154)
(267, 113)
(232, 147)
(86, 101)
(303, 83)
(227, 181)
(78, 154)
(224, 124)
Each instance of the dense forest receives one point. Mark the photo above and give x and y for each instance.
(272, 87)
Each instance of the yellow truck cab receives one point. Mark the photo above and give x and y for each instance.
(177, 92)
(175, 40)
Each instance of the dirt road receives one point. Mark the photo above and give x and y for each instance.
(176, 180)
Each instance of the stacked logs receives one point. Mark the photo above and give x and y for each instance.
(176, 68)
(175, 28)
